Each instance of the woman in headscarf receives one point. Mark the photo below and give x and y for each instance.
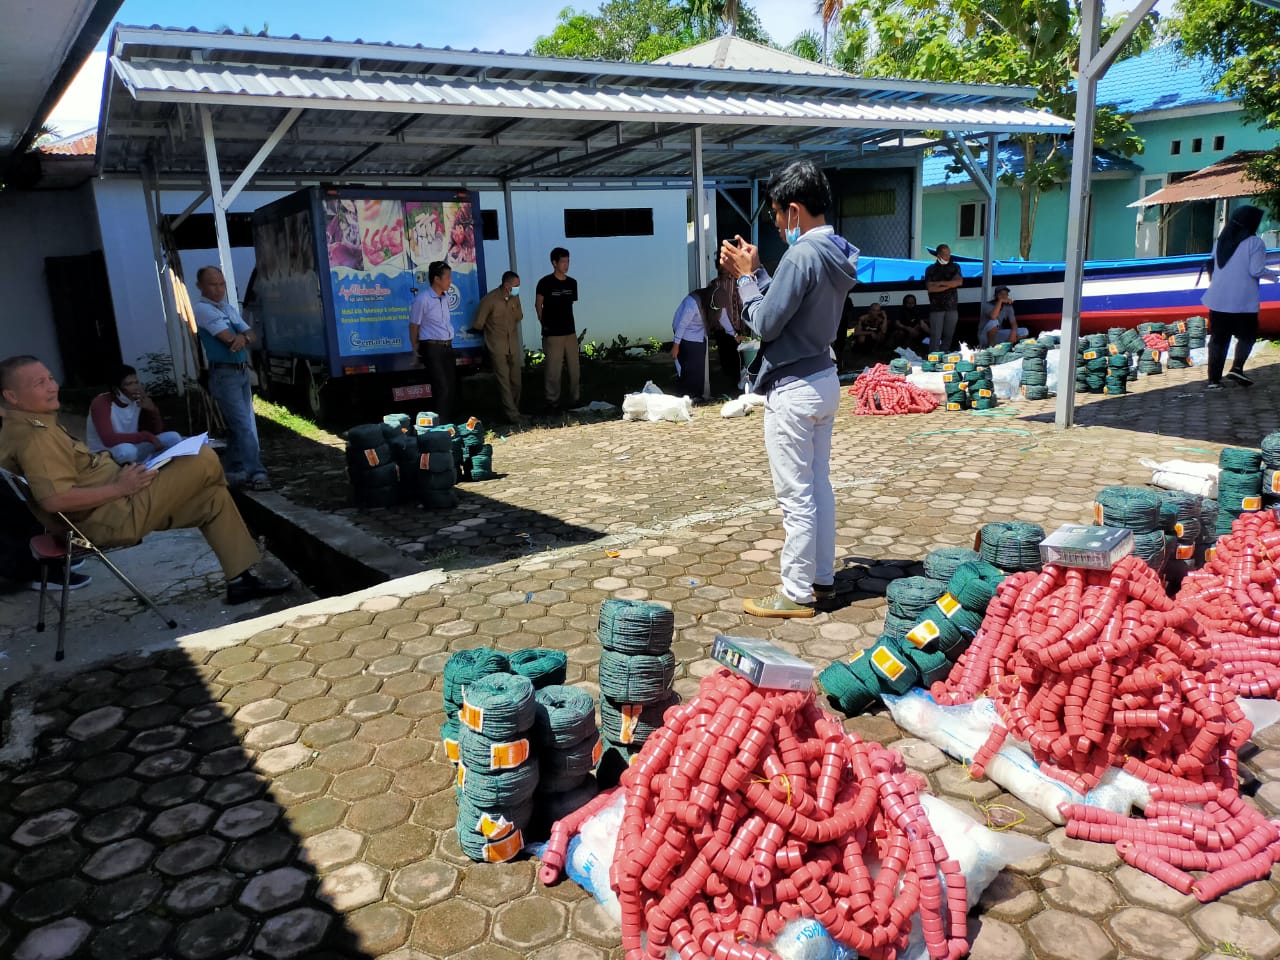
(708, 313)
(1239, 261)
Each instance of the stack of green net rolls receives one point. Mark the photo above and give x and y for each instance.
(1179, 351)
(497, 770)
(637, 669)
(1137, 509)
(957, 390)
(1181, 558)
(568, 746)
(1271, 470)
(1197, 332)
(460, 671)
(1012, 545)
(900, 365)
(1239, 485)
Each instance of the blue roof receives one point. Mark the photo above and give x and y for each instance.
(1160, 79)
(1009, 159)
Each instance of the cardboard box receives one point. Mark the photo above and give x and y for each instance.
(762, 663)
(1094, 548)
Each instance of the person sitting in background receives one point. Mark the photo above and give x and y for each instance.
(126, 423)
(998, 321)
(872, 328)
(910, 326)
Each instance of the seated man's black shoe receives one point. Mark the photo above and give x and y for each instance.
(248, 586)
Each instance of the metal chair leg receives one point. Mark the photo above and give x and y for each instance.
(44, 590)
(60, 652)
(137, 591)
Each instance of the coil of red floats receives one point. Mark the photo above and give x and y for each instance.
(880, 392)
(1095, 669)
(1236, 601)
(750, 808)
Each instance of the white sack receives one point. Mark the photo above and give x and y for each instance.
(1188, 476)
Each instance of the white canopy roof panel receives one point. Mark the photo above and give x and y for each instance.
(385, 112)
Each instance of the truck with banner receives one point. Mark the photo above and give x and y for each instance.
(337, 270)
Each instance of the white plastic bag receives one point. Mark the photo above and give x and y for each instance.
(1188, 476)
(809, 940)
(591, 855)
(1051, 370)
(909, 355)
(931, 383)
(741, 406)
(1007, 378)
(653, 405)
(961, 730)
(1199, 356)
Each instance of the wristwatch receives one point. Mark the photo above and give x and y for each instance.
(746, 276)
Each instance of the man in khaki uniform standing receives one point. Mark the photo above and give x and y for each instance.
(498, 317)
(117, 506)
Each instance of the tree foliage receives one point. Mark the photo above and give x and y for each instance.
(643, 30)
(1242, 42)
(1032, 43)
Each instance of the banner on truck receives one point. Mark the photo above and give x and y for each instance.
(286, 284)
(379, 251)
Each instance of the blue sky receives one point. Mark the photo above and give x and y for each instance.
(510, 25)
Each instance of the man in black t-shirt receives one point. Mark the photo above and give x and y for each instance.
(941, 280)
(555, 296)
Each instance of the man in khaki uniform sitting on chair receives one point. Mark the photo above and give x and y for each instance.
(117, 506)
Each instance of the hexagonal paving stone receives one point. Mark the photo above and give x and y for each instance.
(1142, 889)
(45, 827)
(262, 851)
(333, 848)
(1010, 898)
(50, 900)
(379, 813)
(314, 816)
(361, 783)
(90, 724)
(1078, 890)
(423, 883)
(326, 733)
(190, 856)
(1082, 853)
(117, 859)
(46, 796)
(993, 940)
(138, 937)
(158, 738)
(503, 883)
(449, 927)
(201, 893)
(400, 845)
(1146, 933)
(164, 764)
(402, 753)
(529, 923)
(275, 889)
(246, 819)
(353, 886)
(181, 821)
(216, 934)
(344, 756)
(1057, 935)
(299, 785)
(384, 729)
(1221, 923)
(588, 920)
(292, 934)
(54, 941)
(109, 793)
(237, 788)
(379, 928)
(123, 898)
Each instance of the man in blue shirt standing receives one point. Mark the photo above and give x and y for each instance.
(431, 334)
(795, 313)
(226, 338)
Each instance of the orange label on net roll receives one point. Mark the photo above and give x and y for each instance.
(1251, 503)
(471, 716)
(471, 423)
(424, 461)
(922, 634)
(504, 849)
(953, 406)
(1112, 349)
(451, 750)
(1186, 551)
(948, 604)
(462, 776)
(630, 720)
(372, 456)
(1275, 481)
(884, 661)
(494, 829)
(1097, 515)
(597, 752)
(504, 756)
(986, 394)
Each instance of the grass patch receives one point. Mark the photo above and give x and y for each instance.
(285, 418)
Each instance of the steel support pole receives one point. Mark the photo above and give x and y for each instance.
(755, 212)
(219, 209)
(989, 227)
(699, 210)
(511, 241)
(1093, 64)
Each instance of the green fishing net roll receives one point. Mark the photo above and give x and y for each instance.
(466, 667)
(909, 596)
(942, 562)
(1136, 508)
(900, 365)
(1012, 545)
(636, 626)
(562, 716)
(499, 706)
(543, 667)
(636, 678)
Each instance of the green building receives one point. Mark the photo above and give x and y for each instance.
(1185, 124)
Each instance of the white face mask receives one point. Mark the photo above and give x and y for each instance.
(791, 234)
(515, 291)
(944, 260)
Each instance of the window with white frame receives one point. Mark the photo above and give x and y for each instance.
(973, 220)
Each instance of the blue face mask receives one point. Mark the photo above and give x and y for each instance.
(515, 291)
(791, 234)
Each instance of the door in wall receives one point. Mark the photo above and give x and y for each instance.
(83, 318)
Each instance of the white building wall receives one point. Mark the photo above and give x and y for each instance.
(626, 285)
(34, 225)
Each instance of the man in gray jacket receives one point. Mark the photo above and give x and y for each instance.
(795, 314)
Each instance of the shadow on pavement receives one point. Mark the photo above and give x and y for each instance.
(140, 829)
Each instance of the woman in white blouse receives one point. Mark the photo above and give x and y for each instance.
(1239, 262)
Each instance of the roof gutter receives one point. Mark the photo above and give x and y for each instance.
(90, 33)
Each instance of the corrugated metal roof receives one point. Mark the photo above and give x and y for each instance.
(938, 170)
(1218, 181)
(736, 53)
(1160, 79)
(78, 145)
(386, 111)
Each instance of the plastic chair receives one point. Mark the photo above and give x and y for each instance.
(64, 547)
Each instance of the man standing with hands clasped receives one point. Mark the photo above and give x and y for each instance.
(942, 280)
(554, 298)
(431, 336)
(795, 314)
(498, 317)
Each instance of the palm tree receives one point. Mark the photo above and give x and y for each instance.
(709, 11)
(829, 12)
